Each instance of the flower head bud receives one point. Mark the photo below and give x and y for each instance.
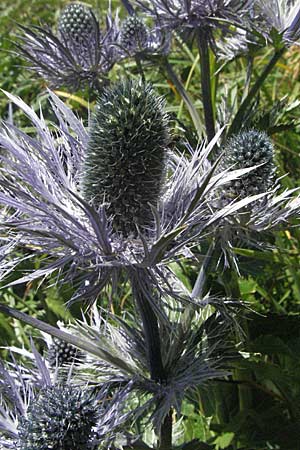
(134, 33)
(248, 149)
(125, 159)
(76, 22)
(61, 353)
(61, 417)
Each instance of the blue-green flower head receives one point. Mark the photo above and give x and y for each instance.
(76, 21)
(61, 353)
(134, 34)
(245, 150)
(60, 418)
(125, 159)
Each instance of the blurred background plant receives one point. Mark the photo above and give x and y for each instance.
(257, 407)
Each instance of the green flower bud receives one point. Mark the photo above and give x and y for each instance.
(59, 418)
(125, 159)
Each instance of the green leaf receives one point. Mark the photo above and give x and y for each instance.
(224, 440)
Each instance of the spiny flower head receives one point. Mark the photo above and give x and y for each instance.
(44, 185)
(134, 33)
(79, 54)
(76, 21)
(247, 149)
(125, 159)
(37, 412)
(61, 418)
(193, 14)
(61, 353)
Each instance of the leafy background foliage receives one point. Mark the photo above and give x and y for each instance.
(269, 369)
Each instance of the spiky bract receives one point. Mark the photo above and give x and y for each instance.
(282, 16)
(47, 214)
(247, 149)
(193, 14)
(76, 21)
(125, 159)
(61, 353)
(134, 34)
(60, 418)
(79, 54)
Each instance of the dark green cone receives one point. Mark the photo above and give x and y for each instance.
(125, 160)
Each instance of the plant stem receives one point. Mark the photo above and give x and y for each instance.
(142, 289)
(140, 286)
(206, 85)
(232, 289)
(165, 439)
(140, 68)
(240, 115)
(185, 97)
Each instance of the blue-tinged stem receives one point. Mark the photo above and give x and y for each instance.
(140, 286)
(240, 115)
(206, 85)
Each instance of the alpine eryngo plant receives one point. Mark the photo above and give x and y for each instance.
(59, 417)
(248, 149)
(126, 155)
(79, 54)
(134, 34)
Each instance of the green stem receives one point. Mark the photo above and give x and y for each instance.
(140, 68)
(206, 85)
(239, 117)
(185, 97)
(232, 289)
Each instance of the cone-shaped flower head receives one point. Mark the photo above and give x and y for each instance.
(76, 21)
(134, 33)
(125, 159)
(247, 149)
(61, 353)
(60, 418)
